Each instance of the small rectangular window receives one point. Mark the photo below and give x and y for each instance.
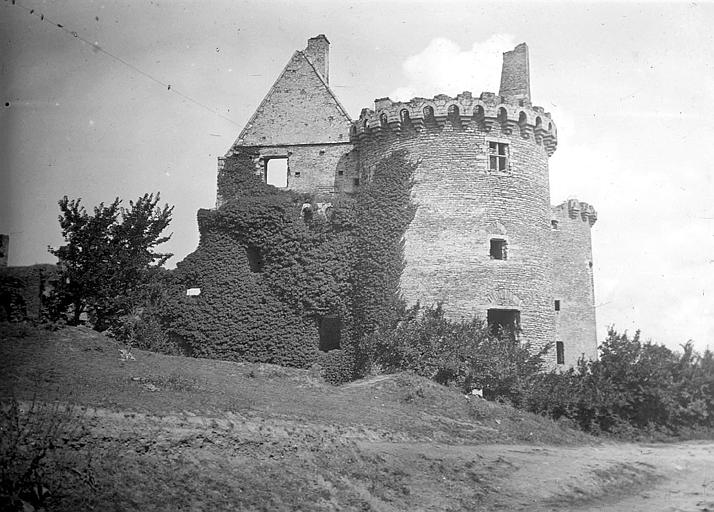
(355, 181)
(559, 352)
(554, 224)
(557, 305)
(340, 173)
(498, 156)
(296, 174)
(276, 172)
(498, 249)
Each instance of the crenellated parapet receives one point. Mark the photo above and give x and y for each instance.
(578, 210)
(515, 117)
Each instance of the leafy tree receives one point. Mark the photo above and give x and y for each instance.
(107, 261)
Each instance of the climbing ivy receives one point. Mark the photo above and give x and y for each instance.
(268, 276)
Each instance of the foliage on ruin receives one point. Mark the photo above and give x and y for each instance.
(634, 387)
(268, 274)
(108, 257)
(381, 213)
(465, 354)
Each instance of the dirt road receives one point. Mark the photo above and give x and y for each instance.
(618, 477)
(604, 477)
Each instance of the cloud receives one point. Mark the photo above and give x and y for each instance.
(444, 68)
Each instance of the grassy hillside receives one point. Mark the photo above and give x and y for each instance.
(172, 433)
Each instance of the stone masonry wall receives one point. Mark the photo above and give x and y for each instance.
(573, 280)
(461, 206)
(319, 169)
(299, 109)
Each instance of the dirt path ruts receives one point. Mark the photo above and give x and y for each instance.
(627, 477)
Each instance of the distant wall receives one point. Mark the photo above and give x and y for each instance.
(22, 291)
(4, 249)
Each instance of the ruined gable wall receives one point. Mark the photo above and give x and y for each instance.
(573, 279)
(302, 121)
(298, 110)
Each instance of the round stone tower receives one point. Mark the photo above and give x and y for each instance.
(481, 239)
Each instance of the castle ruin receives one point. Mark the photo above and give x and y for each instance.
(485, 240)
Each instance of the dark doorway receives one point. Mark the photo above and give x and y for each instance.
(330, 331)
(255, 258)
(504, 321)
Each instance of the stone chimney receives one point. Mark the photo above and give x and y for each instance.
(318, 53)
(515, 74)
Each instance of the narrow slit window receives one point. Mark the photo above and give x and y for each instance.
(557, 305)
(276, 172)
(559, 352)
(498, 156)
(499, 249)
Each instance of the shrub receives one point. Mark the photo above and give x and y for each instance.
(336, 366)
(463, 354)
(144, 331)
(633, 387)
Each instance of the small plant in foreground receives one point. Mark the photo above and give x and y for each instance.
(30, 477)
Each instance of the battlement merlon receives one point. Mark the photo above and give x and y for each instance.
(577, 210)
(512, 114)
(515, 74)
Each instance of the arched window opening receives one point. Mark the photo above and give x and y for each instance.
(383, 120)
(502, 117)
(454, 116)
(307, 213)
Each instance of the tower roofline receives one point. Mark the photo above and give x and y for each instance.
(484, 112)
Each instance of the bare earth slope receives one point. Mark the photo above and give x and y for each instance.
(169, 433)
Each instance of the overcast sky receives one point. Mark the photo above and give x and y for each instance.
(630, 86)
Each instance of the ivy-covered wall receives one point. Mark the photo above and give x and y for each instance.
(23, 291)
(269, 274)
